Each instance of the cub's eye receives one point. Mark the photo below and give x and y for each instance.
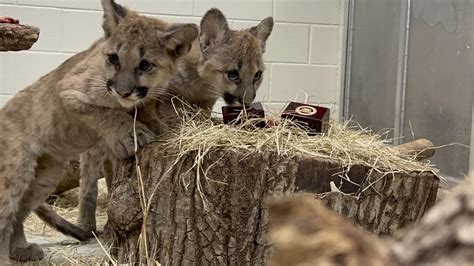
(257, 76)
(145, 66)
(233, 75)
(113, 59)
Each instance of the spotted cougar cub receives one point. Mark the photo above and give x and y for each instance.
(223, 63)
(81, 103)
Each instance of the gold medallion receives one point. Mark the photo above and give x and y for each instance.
(306, 110)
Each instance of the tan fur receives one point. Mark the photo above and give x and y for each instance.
(201, 76)
(304, 232)
(200, 79)
(71, 110)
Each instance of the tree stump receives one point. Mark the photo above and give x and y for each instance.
(216, 213)
(16, 37)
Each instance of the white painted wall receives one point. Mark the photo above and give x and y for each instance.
(304, 52)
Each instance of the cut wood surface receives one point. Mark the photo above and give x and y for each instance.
(16, 37)
(218, 213)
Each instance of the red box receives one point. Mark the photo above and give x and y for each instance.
(315, 118)
(231, 114)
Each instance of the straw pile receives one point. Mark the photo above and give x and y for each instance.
(348, 145)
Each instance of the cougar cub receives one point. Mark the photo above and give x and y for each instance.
(223, 63)
(81, 103)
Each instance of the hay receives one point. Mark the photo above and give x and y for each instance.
(348, 145)
(343, 143)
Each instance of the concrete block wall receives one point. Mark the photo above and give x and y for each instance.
(304, 53)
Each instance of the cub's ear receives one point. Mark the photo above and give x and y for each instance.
(179, 38)
(262, 31)
(213, 28)
(113, 15)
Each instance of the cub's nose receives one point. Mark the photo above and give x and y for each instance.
(111, 87)
(229, 99)
(141, 92)
(123, 94)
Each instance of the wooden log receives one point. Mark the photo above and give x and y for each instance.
(218, 213)
(388, 202)
(389, 205)
(16, 37)
(420, 148)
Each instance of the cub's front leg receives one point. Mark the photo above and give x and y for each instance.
(121, 140)
(149, 116)
(115, 126)
(95, 163)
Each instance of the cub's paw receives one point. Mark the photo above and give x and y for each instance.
(32, 252)
(89, 228)
(107, 231)
(123, 143)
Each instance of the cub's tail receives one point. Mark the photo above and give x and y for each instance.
(51, 218)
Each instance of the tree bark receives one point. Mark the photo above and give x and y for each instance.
(394, 203)
(224, 219)
(16, 37)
